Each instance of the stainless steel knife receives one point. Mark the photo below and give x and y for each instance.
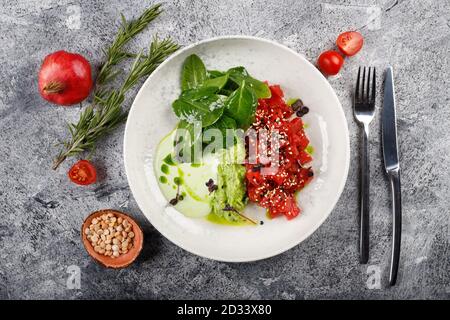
(392, 166)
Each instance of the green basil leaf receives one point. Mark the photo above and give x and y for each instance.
(218, 82)
(239, 74)
(200, 104)
(193, 74)
(241, 105)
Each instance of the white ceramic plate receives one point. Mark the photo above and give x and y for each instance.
(151, 118)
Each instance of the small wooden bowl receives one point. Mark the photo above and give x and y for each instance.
(123, 260)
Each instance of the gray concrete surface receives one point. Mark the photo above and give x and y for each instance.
(41, 211)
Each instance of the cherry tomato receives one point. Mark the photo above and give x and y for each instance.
(330, 62)
(350, 42)
(83, 173)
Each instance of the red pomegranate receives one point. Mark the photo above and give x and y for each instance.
(65, 78)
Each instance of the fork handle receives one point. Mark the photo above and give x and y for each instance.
(364, 198)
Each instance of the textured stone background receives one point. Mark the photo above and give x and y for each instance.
(41, 211)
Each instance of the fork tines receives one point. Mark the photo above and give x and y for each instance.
(363, 92)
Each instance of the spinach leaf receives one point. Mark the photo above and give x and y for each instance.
(215, 74)
(200, 104)
(199, 93)
(223, 124)
(239, 74)
(193, 74)
(218, 82)
(226, 92)
(241, 105)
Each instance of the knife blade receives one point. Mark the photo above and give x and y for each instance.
(389, 123)
(392, 166)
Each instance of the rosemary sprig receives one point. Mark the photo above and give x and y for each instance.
(127, 31)
(106, 112)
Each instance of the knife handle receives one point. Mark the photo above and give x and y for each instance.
(364, 198)
(394, 177)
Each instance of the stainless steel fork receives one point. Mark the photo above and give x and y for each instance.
(364, 109)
